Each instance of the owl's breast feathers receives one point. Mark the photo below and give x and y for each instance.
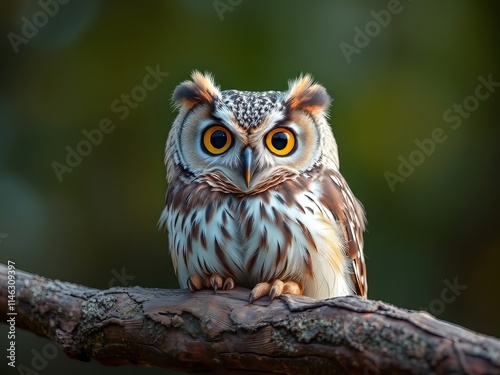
(307, 229)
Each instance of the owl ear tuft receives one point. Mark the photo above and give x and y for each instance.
(304, 94)
(200, 90)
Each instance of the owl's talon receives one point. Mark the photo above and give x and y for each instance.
(260, 290)
(195, 282)
(276, 289)
(228, 284)
(291, 287)
(216, 282)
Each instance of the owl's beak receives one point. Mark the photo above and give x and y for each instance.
(247, 164)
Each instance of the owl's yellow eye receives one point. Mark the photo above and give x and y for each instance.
(280, 141)
(217, 139)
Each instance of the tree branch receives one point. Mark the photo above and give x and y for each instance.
(222, 333)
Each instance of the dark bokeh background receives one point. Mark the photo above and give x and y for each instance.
(441, 223)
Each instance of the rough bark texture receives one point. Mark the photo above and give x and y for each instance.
(222, 333)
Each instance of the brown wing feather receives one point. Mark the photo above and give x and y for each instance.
(339, 198)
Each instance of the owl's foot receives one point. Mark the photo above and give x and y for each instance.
(197, 282)
(276, 289)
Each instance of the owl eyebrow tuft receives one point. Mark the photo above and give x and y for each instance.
(200, 90)
(303, 93)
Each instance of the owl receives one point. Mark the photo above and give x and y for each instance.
(255, 197)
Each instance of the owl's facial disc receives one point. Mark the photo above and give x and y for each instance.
(247, 142)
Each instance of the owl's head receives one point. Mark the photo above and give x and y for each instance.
(247, 142)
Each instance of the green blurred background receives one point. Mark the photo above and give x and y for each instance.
(440, 224)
